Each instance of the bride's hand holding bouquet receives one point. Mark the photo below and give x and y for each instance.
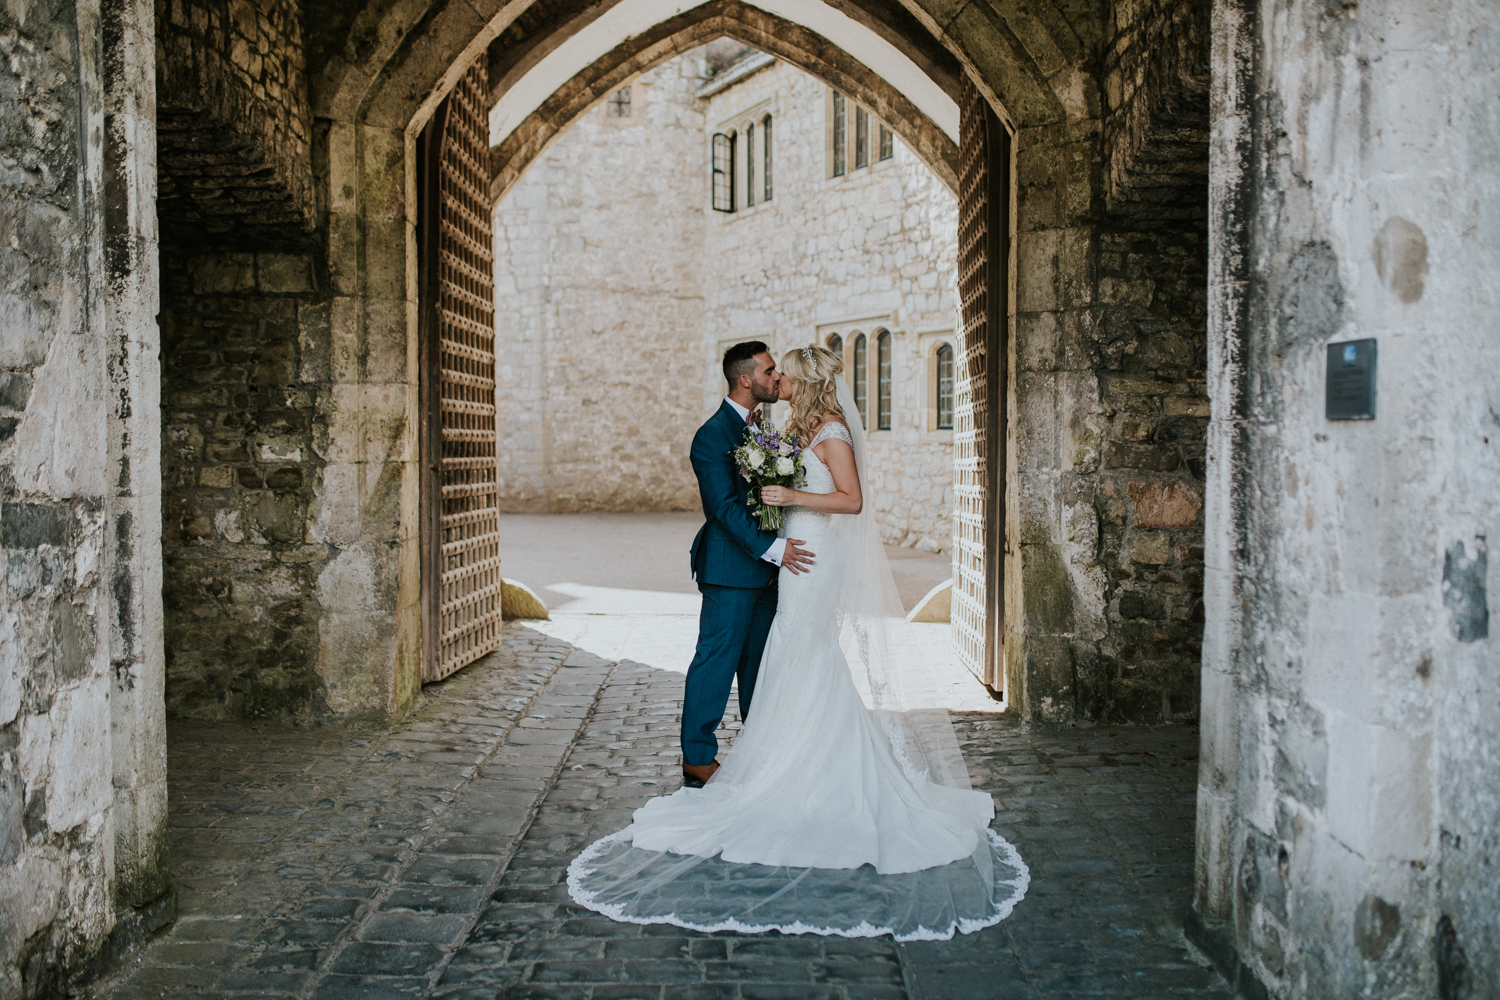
(769, 460)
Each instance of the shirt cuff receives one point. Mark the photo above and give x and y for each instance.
(775, 552)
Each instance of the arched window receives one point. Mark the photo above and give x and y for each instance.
(836, 344)
(862, 378)
(723, 172)
(945, 387)
(749, 166)
(840, 135)
(765, 154)
(883, 381)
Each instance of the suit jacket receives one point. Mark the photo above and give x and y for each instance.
(729, 546)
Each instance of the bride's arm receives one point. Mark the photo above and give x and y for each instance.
(845, 498)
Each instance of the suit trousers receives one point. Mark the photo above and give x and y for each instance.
(732, 630)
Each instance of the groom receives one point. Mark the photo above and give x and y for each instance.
(734, 562)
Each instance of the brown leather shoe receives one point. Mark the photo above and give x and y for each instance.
(695, 775)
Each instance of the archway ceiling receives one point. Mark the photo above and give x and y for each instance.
(529, 75)
(572, 78)
(547, 24)
(388, 62)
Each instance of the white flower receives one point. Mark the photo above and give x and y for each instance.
(784, 466)
(755, 458)
(786, 448)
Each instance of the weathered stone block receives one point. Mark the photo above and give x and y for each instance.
(1147, 458)
(1152, 548)
(280, 273)
(224, 273)
(1164, 504)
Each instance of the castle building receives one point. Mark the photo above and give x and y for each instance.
(722, 196)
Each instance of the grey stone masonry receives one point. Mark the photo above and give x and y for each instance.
(244, 440)
(430, 860)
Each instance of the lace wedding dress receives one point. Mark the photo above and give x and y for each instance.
(829, 815)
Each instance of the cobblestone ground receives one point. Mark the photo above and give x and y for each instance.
(429, 860)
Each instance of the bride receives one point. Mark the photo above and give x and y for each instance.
(837, 811)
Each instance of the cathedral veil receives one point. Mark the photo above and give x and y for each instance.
(868, 606)
(797, 833)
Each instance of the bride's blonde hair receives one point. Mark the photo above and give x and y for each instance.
(814, 372)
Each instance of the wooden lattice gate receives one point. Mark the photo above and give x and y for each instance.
(461, 583)
(979, 412)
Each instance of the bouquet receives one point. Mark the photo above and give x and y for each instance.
(768, 458)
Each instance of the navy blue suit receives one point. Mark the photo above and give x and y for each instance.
(738, 588)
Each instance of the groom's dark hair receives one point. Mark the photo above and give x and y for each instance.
(740, 360)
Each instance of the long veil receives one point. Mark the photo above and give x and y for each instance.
(868, 607)
(702, 891)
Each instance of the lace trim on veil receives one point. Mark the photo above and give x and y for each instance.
(583, 866)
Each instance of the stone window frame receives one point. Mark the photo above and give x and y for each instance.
(928, 343)
(721, 157)
(837, 134)
(861, 137)
(750, 164)
(613, 103)
(768, 156)
(855, 116)
(848, 330)
(637, 101)
(883, 368)
(737, 128)
(859, 374)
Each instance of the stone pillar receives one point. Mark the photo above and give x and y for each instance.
(82, 776)
(132, 506)
(1349, 790)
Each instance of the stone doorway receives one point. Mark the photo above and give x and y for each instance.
(623, 276)
(293, 505)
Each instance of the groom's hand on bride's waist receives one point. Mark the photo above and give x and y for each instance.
(796, 558)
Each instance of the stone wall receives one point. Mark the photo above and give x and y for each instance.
(1142, 473)
(1108, 406)
(874, 249)
(1349, 785)
(599, 309)
(235, 128)
(246, 369)
(244, 381)
(1155, 89)
(82, 769)
(619, 288)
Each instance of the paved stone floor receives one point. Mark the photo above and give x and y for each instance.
(427, 860)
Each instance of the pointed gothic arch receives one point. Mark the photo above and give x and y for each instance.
(387, 68)
(793, 43)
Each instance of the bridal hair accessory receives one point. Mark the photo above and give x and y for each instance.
(807, 355)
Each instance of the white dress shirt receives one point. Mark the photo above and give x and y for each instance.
(778, 548)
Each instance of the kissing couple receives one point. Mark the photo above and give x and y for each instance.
(838, 810)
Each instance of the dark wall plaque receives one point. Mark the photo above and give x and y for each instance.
(1351, 381)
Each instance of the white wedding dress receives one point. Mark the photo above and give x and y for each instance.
(828, 816)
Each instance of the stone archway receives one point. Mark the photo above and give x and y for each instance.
(936, 144)
(376, 104)
(1087, 293)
